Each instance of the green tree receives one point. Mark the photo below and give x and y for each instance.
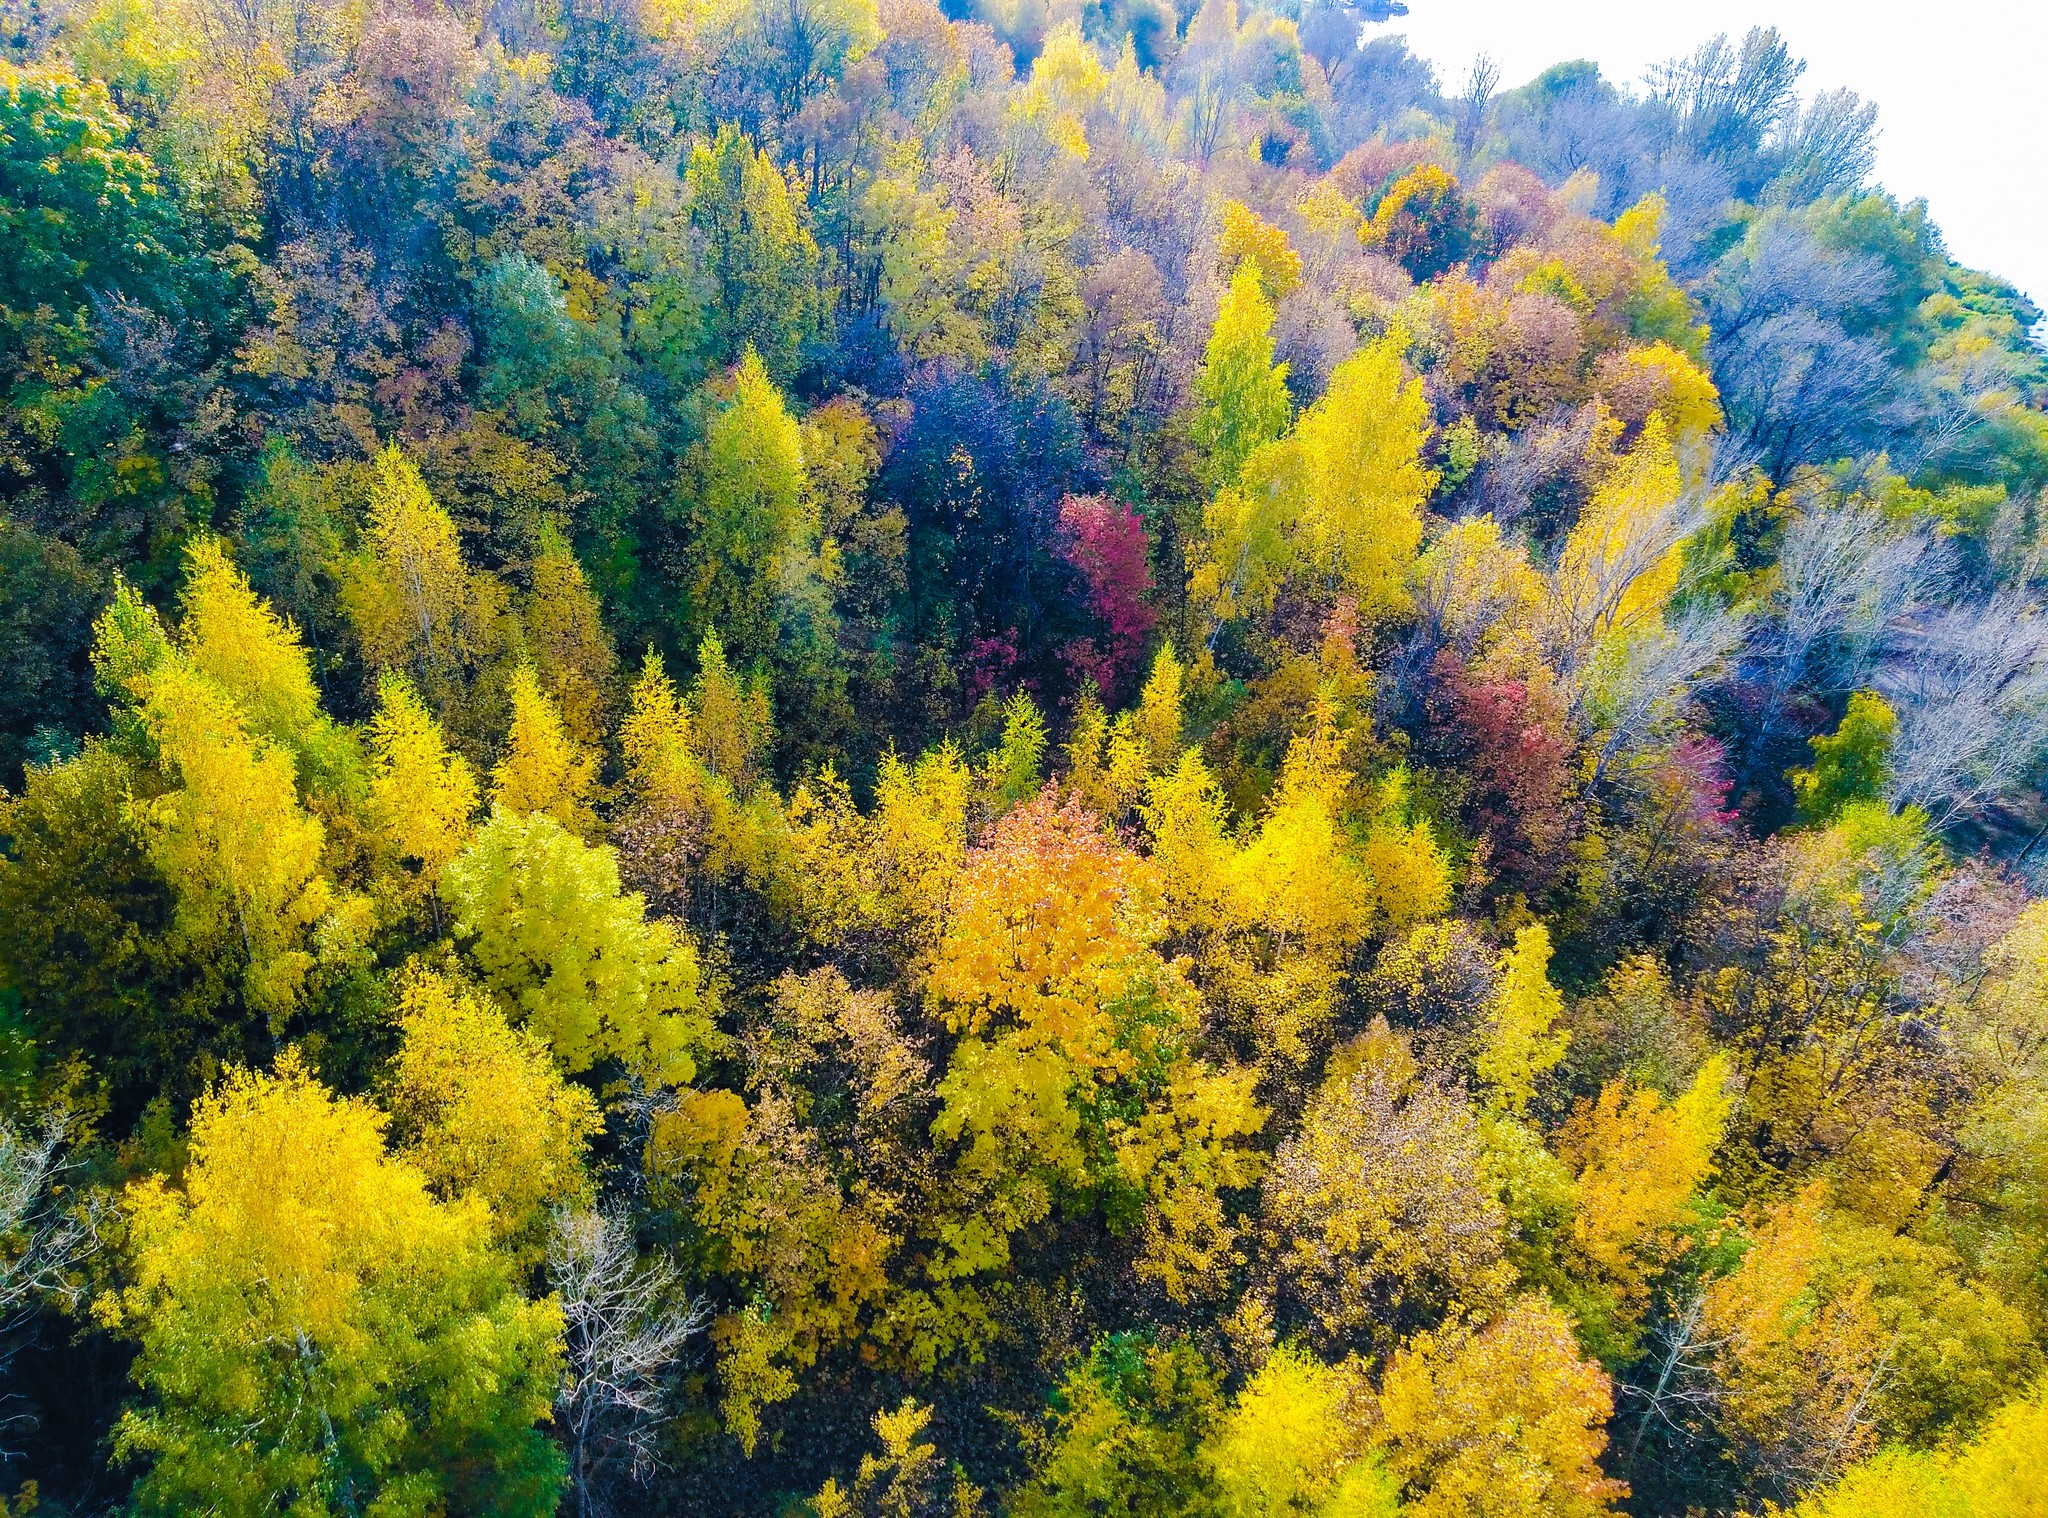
(1241, 393)
(562, 381)
(81, 209)
(760, 258)
(112, 975)
(753, 524)
(1124, 1433)
(110, 316)
(1850, 764)
(579, 963)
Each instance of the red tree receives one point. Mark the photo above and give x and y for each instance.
(1511, 744)
(1105, 542)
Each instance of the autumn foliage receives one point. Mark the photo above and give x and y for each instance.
(886, 760)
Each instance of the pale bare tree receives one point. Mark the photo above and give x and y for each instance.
(1847, 577)
(1638, 688)
(627, 1319)
(44, 1234)
(47, 1232)
(1970, 687)
(1683, 1393)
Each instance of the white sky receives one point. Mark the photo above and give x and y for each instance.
(1958, 84)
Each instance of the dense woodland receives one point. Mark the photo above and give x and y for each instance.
(832, 757)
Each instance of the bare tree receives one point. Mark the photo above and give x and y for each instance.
(46, 1234)
(1970, 687)
(1480, 85)
(1846, 577)
(1634, 693)
(1827, 147)
(627, 1320)
(1800, 390)
(1780, 267)
(1726, 98)
(1208, 109)
(1534, 460)
(1683, 1394)
(43, 1239)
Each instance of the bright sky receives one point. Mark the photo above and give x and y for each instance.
(1958, 86)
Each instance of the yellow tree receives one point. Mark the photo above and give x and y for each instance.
(129, 644)
(1520, 1045)
(1378, 1214)
(1797, 1369)
(813, 1253)
(1338, 499)
(1248, 542)
(700, 782)
(1159, 716)
(231, 837)
(1505, 1422)
(731, 718)
(755, 521)
(1332, 216)
(754, 246)
(1049, 917)
(1323, 868)
(225, 827)
(565, 632)
(413, 602)
(1110, 763)
(919, 829)
(1123, 1433)
(1296, 1442)
(1621, 559)
(1247, 236)
(1187, 821)
(480, 1108)
(661, 834)
(1994, 1474)
(317, 1333)
(1298, 874)
(1476, 589)
(1363, 480)
(422, 795)
(233, 638)
(544, 770)
(903, 1479)
(1066, 80)
(1668, 382)
(1069, 1018)
(1639, 1162)
(661, 756)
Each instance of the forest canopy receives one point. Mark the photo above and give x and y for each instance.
(1012, 758)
